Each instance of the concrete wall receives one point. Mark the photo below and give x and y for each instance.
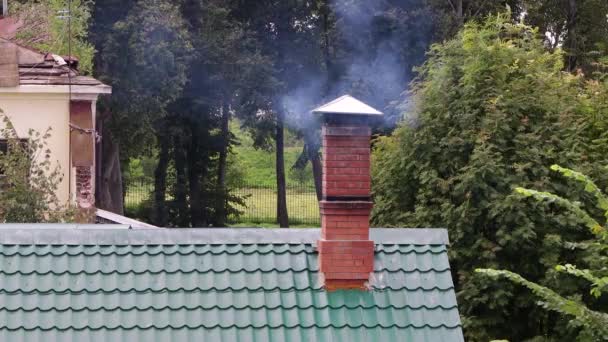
(39, 112)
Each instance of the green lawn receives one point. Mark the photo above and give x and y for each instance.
(137, 194)
(257, 166)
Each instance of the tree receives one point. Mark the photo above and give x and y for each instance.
(490, 108)
(229, 64)
(593, 324)
(30, 179)
(49, 27)
(283, 30)
(579, 26)
(449, 16)
(144, 50)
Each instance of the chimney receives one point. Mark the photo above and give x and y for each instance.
(9, 69)
(346, 254)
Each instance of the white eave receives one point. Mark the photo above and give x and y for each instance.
(59, 89)
(346, 105)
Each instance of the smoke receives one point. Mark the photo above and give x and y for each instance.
(299, 102)
(375, 45)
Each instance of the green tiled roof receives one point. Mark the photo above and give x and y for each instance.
(231, 285)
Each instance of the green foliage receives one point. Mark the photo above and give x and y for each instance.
(29, 179)
(580, 27)
(594, 324)
(45, 27)
(490, 109)
(144, 56)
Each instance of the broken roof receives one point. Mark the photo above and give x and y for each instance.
(9, 27)
(218, 284)
(37, 68)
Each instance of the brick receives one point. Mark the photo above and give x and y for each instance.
(357, 178)
(346, 164)
(346, 255)
(334, 231)
(346, 262)
(341, 130)
(341, 171)
(365, 156)
(345, 224)
(341, 157)
(351, 212)
(348, 185)
(345, 211)
(349, 235)
(84, 187)
(346, 143)
(347, 192)
(329, 185)
(347, 275)
(336, 284)
(347, 150)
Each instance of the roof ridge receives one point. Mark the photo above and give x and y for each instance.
(219, 236)
(296, 249)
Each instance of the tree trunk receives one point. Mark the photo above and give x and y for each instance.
(317, 170)
(181, 198)
(197, 219)
(459, 12)
(282, 216)
(312, 153)
(220, 210)
(311, 140)
(110, 190)
(457, 8)
(332, 74)
(160, 180)
(572, 38)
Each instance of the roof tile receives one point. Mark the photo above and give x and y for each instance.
(219, 291)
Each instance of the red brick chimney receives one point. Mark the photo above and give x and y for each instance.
(346, 254)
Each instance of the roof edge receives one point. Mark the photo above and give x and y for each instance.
(59, 89)
(40, 234)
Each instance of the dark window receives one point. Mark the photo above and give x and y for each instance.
(4, 149)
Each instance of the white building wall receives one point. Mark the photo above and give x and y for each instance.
(40, 111)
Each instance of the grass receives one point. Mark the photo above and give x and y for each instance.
(137, 194)
(257, 166)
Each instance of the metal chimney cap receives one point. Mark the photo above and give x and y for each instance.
(346, 105)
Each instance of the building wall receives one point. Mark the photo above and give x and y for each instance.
(39, 112)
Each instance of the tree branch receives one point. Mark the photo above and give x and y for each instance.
(479, 8)
(452, 5)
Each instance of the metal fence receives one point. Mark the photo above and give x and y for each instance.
(259, 202)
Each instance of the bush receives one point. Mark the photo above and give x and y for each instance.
(491, 108)
(29, 179)
(593, 324)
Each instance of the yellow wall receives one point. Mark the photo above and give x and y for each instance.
(39, 112)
